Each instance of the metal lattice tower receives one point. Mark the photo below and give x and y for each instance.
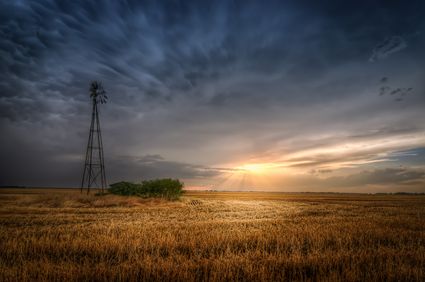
(94, 167)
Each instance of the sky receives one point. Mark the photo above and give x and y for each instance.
(224, 95)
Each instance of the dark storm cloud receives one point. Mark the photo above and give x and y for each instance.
(163, 49)
(203, 82)
(152, 166)
(392, 176)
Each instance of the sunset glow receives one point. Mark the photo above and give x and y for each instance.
(257, 168)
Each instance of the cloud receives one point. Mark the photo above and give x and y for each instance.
(398, 92)
(155, 166)
(387, 47)
(393, 176)
(320, 171)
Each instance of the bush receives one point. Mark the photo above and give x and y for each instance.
(163, 188)
(125, 188)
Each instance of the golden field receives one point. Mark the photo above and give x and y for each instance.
(59, 234)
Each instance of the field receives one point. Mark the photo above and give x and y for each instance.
(58, 234)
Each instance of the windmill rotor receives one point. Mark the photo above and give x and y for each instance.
(97, 93)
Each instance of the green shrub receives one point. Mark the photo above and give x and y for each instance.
(163, 188)
(125, 188)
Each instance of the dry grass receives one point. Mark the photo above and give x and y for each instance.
(62, 235)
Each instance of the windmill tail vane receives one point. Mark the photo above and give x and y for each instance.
(94, 166)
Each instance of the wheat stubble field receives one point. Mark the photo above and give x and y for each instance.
(57, 234)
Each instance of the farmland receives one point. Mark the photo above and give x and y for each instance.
(60, 234)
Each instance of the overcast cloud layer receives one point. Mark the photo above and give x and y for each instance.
(331, 95)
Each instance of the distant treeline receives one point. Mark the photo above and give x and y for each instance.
(159, 188)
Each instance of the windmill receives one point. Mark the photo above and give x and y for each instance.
(94, 167)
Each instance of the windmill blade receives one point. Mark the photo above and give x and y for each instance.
(97, 93)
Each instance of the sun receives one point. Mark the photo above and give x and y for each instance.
(256, 168)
